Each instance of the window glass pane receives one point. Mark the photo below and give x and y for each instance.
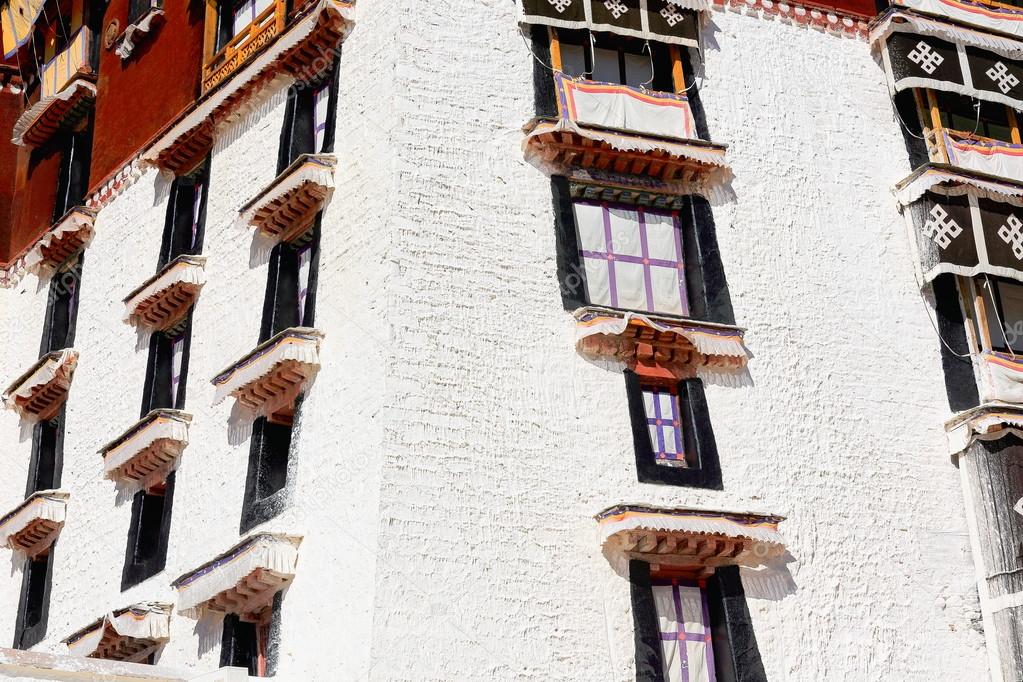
(686, 652)
(177, 355)
(321, 105)
(244, 13)
(1007, 326)
(573, 60)
(305, 258)
(664, 421)
(638, 69)
(605, 66)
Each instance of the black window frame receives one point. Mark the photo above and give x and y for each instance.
(137, 9)
(62, 306)
(271, 470)
(37, 573)
(283, 285)
(706, 284)
(75, 161)
(138, 569)
(246, 632)
(736, 654)
(958, 113)
(297, 137)
(659, 55)
(697, 433)
(47, 462)
(178, 221)
(157, 393)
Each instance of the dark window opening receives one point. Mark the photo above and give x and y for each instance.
(139, 8)
(167, 371)
(47, 455)
(616, 59)
(968, 115)
(235, 16)
(73, 180)
(1003, 305)
(185, 225)
(250, 642)
(146, 552)
(309, 120)
(269, 461)
(62, 308)
(672, 434)
(290, 299)
(34, 604)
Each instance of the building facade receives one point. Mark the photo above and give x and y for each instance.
(546, 339)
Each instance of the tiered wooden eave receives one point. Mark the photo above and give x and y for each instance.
(286, 208)
(271, 376)
(38, 394)
(42, 121)
(64, 239)
(32, 526)
(163, 300)
(130, 634)
(149, 449)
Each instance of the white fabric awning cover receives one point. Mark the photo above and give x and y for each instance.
(78, 221)
(167, 430)
(1001, 19)
(989, 421)
(183, 271)
(315, 170)
(149, 621)
(56, 366)
(268, 552)
(300, 345)
(928, 176)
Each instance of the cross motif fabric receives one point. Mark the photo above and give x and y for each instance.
(925, 57)
(1012, 234)
(560, 5)
(664, 422)
(683, 617)
(616, 7)
(671, 14)
(941, 228)
(632, 258)
(999, 73)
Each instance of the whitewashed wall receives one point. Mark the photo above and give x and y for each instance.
(454, 448)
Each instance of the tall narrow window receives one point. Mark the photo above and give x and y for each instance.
(146, 552)
(62, 308)
(632, 258)
(47, 455)
(73, 180)
(664, 420)
(34, 604)
(290, 299)
(166, 374)
(186, 216)
(309, 119)
(683, 620)
(1003, 308)
(269, 458)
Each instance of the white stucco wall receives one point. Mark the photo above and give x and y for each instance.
(454, 448)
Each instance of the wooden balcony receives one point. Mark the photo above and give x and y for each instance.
(974, 153)
(38, 394)
(32, 526)
(243, 46)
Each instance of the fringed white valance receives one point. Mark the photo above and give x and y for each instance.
(908, 22)
(39, 392)
(1001, 377)
(989, 421)
(128, 634)
(165, 298)
(997, 18)
(228, 99)
(695, 167)
(930, 176)
(288, 206)
(32, 526)
(44, 117)
(696, 5)
(274, 373)
(715, 353)
(686, 537)
(242, 579)
(149, 450)
(73, 232)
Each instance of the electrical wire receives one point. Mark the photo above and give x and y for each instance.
(1001, 325)
(934, 325)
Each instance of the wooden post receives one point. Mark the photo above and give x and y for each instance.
(1014, 125)
(980, 306)
(936, 127)
(555, 49)
(678, 75)
(210, 33)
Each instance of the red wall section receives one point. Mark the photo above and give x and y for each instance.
(35, 195)
(863, 8)
(10, 109)
(139, 96)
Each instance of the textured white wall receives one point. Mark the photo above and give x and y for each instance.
(454, 447)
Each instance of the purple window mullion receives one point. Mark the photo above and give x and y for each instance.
(676, 424)
(612, 283)
(681, 265)
(657, 423)
(645, 249)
